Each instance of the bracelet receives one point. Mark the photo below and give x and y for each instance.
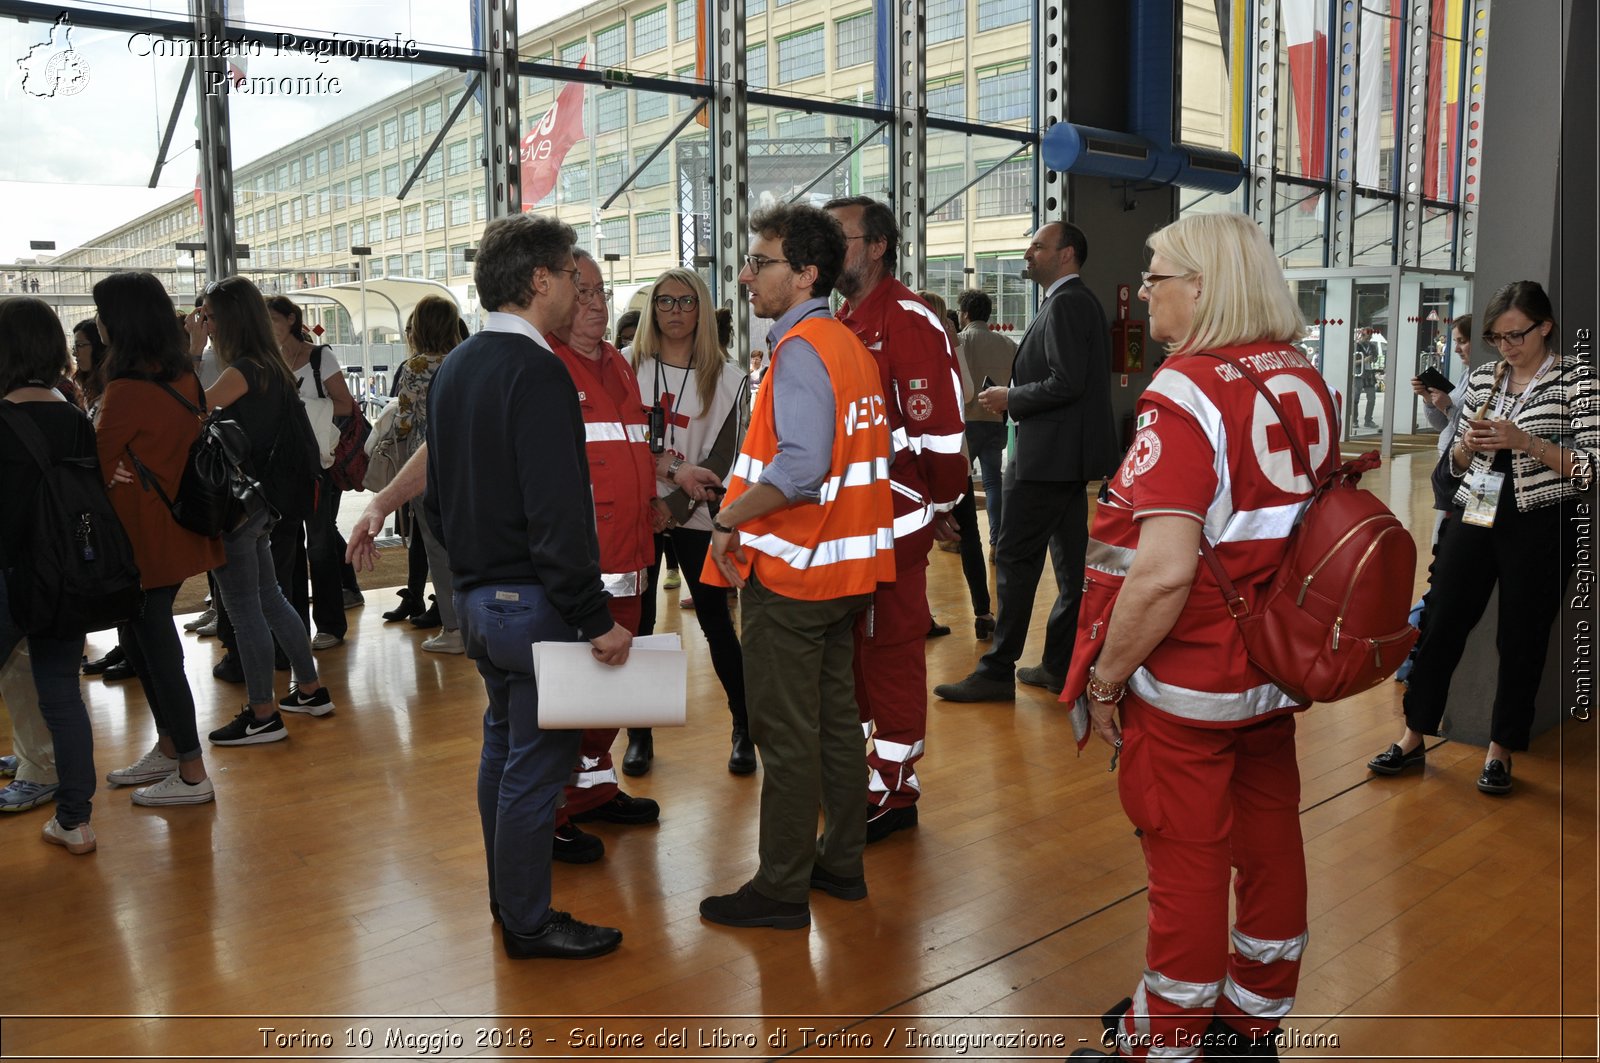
(1544, 445)
(1103, 692)
(717, 525)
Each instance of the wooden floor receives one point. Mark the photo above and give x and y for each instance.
(336, 889)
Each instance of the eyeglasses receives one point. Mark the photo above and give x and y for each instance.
(587, 296)
(1494, 339)
(81, 344)
(574, 274)
(667, 303)
(1148, 281)
(756, 263)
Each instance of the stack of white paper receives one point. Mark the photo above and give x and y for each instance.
(576, 691)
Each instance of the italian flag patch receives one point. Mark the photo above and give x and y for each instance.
(1146, 419)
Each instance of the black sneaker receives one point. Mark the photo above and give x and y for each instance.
(1496, 777)
(245, 730)
(318, 704)
(1392, 762)
(229, 670)
(574, 846)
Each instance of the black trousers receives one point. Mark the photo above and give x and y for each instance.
(1039, 515)
(1523, 554)
(972, 566)
(711, 612)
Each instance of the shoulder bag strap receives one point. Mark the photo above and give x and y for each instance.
(37, 446)
(316, 371)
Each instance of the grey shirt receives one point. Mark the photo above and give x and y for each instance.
(802, 408)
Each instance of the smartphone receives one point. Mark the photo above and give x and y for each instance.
(1432, 378)
(988, 382)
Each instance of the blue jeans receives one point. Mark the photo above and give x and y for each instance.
(260, 612)
(523, 768)
(986, 441)
(152, 644)
(55, 676)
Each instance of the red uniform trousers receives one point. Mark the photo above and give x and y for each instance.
(1206, 798)
(594, 779)
(892, 676)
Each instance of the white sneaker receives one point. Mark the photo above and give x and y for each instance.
(207, 617)
(446, 641)
(78, 840)
(322, 640)
(151, 767)
(174, 791)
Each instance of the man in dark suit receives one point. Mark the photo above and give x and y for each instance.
(1060, 401)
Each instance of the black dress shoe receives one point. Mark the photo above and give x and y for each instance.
(574, 846)
(429, 619)
(882, 822)
(621, 809)
(641, 751)
(1496, 777)
(742, 760)
(937, 630)
(1039, 676)
(1392, 762)
(977, 687)
(120, 670)
(229, 670)
(100, 664)
(983, 627)
(561, 937)
(844, 887)
(749, 908)
(410, 605)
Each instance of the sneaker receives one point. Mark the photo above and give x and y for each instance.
(8, 767)
(318, 704)
(673, 581)
(245, 730)
(574, 846)
(446, 641)
(207, 617)
(20, 796)
(174, 791)
(686, 602)
(209, 628)
(78, 840)
(353, 599)
(229, 669)
(152, 767)
(323, 640)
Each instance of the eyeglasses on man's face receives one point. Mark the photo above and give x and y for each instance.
(589, 296)
(1494, 339)
(756, 263)
(573, 274)
(668, 303)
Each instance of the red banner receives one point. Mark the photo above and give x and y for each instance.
(547, 143)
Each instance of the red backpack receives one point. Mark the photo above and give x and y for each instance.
(1332, 621)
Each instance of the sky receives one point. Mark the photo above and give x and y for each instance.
(73, 166)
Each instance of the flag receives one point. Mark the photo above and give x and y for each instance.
(1305, 24)
(1369, 79)
(547, 143)
(476, 14)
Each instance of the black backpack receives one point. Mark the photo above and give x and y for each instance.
(215, 494)
(75, 572)
(294, 464)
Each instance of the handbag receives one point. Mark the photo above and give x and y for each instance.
(349, 466)
(386, 452)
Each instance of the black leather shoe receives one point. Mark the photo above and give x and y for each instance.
(844, 887)
(1039, 676)
(749, 908)
(120, 670)
(983, 627)
(641, 751)
(978, 687)
(229, 670)
(937, 630)
(561, 937)
(621, 809)
(742, 760)
(1496, 777)
(1392, 762)
(430, 619)
(882, 822)
(574, 846)
(410, 605)
(110, 660)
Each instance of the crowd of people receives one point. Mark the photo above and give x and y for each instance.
(549, 473)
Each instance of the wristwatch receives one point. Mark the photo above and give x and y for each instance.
(673, 466)
(717, 525)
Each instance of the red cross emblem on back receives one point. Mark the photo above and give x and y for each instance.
(1278, 437)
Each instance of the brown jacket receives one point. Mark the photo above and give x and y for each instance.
(140, 416)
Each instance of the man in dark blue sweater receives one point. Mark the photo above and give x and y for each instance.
(509, 496)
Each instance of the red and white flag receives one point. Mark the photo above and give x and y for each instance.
(1305, 25)
(547, 143)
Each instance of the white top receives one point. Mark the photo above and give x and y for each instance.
(319, 409)
(691, 432)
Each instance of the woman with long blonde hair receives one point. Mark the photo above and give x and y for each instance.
(683, 372)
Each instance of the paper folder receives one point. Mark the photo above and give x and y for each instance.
(576, 691)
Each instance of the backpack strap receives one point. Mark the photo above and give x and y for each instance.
(316, 370)
(175, 393)
(147, 479)
(32, 439)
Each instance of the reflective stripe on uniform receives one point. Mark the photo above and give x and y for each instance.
(907, 523)
(638, 433)
(1112, 560)
(898, 440)
(905, 779)
(604, 432)
(1258, 1006)
(1191, 995)
(859, 474)
(1262, 950)
(898, 752)
(1204, 704)
(1247, 525)
(623, 584)
(748, 469)
(850, 548)
(587, 777)
(939, 444)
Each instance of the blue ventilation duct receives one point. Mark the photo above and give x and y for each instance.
(1146, 155)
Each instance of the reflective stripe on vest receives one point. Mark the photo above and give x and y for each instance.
(827, 552)
(623, 584)
(1263, 951)
(1257, 1006)
(615, 432)
(1206, 705)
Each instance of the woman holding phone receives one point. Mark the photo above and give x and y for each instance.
(1524, 450)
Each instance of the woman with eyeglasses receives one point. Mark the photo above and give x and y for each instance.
(89, 354)
(257, 389)
(1523, 452)
(700, 393)
(147, 426)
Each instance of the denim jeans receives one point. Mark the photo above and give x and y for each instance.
(152, 644)
(259, 610)
(986, 440)
(523, 768)
(55, 676)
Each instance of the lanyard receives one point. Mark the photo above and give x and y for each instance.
(672, 429)
(1506, 398)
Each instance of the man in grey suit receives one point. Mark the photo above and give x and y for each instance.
(1060, 401)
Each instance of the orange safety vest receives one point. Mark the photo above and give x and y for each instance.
(843, 543)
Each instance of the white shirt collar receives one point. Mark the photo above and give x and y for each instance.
(498, 321)
(1059, 281)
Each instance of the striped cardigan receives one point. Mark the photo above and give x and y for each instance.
(1563, 407)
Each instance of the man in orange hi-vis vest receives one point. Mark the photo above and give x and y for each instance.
(807, 531)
